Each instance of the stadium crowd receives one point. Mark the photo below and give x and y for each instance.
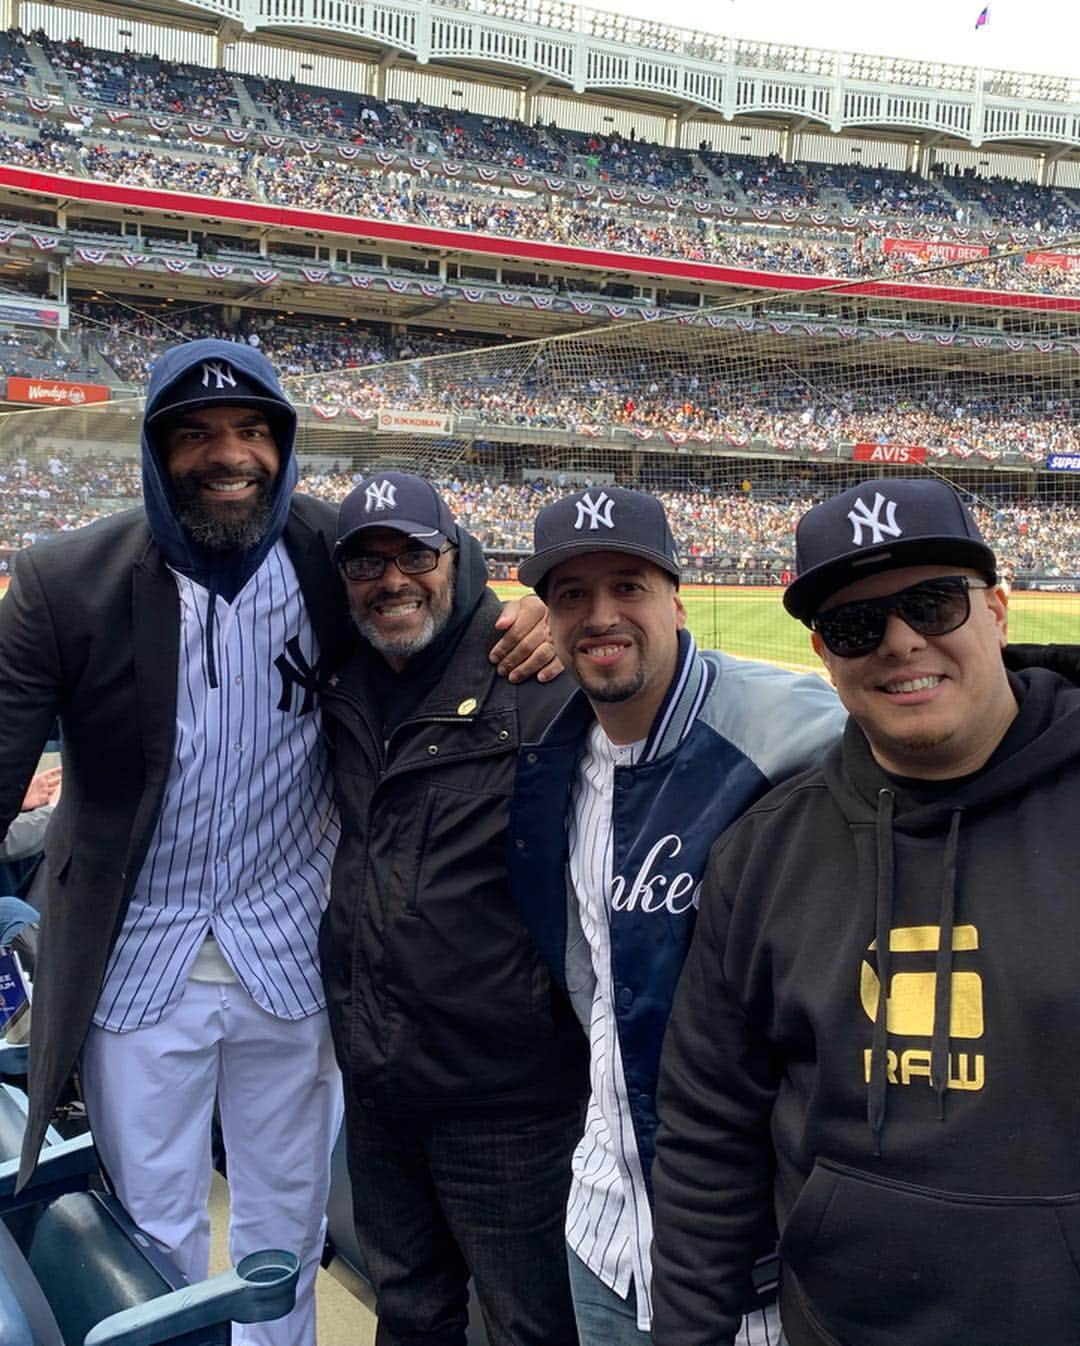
(722, 529)
(853, 205)
(365, 368)
(143, 82)
(424, 198)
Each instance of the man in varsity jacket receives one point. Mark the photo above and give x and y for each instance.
(659, 750)
(188, 859)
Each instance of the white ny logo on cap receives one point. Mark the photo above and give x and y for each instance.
(596, 512)
(220, 372)
(380, 495)
(862, 516)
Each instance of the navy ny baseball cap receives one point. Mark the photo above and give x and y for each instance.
(217, 382)
(603, 518)
(397, 500)
(882, 525)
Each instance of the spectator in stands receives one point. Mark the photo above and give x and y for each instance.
(21, 848)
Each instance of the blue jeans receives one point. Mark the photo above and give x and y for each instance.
(603, 1317)
(440, 1197)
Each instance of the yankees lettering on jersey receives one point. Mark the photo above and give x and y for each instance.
(651, 889)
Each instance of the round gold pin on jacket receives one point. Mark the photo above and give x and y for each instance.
(467, 706)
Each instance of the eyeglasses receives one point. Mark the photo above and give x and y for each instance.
(366, 565)
(932, 608)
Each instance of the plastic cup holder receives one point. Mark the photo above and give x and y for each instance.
(273, 1266)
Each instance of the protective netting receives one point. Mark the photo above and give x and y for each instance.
(740, 416)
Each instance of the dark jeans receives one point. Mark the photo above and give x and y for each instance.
(440, 1197)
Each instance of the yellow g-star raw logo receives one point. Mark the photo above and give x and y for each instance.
(909, 1009)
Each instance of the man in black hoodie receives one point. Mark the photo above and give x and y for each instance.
(873, 1036)
(464, 1067)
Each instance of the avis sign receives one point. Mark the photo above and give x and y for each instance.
(890, 453)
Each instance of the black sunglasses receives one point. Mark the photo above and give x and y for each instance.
(932, 608)
(368, 565)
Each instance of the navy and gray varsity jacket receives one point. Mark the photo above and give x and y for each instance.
(728, 730)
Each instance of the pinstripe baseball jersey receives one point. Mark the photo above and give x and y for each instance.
(247, 829)
(608, 1219)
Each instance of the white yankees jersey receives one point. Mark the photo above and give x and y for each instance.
(608, 1219)
(247, 830)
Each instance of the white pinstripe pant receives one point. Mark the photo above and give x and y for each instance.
(150, 1096)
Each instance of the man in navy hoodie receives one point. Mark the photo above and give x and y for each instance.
(183, 646)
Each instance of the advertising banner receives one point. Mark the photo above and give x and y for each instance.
(936, 249)
(54, 393)
(890, 453)
(415, 422)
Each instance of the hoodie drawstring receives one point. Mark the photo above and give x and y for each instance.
(939, 1043)
(877, 1087)
(211, 623)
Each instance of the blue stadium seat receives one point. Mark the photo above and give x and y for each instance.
(76, 1271)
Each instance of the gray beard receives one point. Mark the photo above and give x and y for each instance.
(404, 647)
(236, 530)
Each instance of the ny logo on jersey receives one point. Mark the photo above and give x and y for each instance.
(597, 512)
(380, 495)
(298, 674)
(220, 372)
(862, 516)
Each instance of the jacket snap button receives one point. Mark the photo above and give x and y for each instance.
(433, 748)
(626, 997)
(531, 759)
(504, 733)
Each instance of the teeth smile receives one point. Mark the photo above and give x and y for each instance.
(913, 685)
(398, 609)
(603, 651)
(227, 485)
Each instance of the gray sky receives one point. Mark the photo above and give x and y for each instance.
(1030, 35)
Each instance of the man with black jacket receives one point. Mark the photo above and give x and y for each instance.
(463, 1065)
(872, 1035)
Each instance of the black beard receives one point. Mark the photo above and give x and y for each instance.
(233, 529)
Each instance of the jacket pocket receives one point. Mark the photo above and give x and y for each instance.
(880, 1262)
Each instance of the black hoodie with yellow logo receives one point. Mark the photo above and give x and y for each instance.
(920, 1152)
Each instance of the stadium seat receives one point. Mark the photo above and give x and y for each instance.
(83, 1275)
(76, 1271)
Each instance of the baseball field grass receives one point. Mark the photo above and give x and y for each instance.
(752, 623)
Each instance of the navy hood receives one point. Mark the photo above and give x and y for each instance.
(222, 572)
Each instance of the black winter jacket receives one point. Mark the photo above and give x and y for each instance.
(437, 996)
